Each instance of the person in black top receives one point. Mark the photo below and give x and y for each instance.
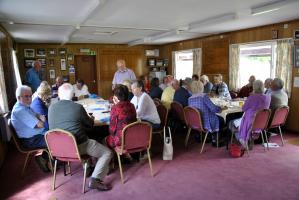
(156, 91)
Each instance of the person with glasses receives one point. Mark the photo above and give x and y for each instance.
(29, 126)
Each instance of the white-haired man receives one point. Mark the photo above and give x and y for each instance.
(122, 74)
(29, 126)
(278, 96)
(72, 117)
(32, 75)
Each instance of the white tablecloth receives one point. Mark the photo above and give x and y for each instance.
(233, 106)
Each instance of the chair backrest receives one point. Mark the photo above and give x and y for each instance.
(177, 111)
(136, 137)
(193, 118)
(261, 120)
(279, 117)
(62, 145)
(16, 139)
(163, 112)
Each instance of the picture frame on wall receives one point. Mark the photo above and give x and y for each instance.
(62, 64)
(70, 56)
(51, 62)
(52, 73)
(41, 52)
(42, 61)
(296, 56)
(62, 52)
(28, 63)
(52, 52)
(29, 53)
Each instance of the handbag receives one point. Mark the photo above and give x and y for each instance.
(168, 147)
(235, 151)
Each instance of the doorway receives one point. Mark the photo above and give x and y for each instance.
(183, 64)
(86, 70)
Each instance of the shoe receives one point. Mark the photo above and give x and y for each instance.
(89, 171)
(99, 185)
(42, 163)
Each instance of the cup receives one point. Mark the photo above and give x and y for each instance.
(241, 103)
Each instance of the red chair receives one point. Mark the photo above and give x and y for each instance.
(163, 113)
(279, 119)
(62, 146)
(136, 137)
(177, 112)
(194, 122)
(259, 125)
(21, 149)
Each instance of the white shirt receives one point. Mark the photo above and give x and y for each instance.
(146, 108)
(83, 91)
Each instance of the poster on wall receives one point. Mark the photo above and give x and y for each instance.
(28, 63)
(52, 73)
(62, 64)
(29, 53)
(71, 69)
(41, 52)
(42, 61)
(51, 52)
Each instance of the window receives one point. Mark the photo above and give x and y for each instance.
(183, 64)
(16, 68)
(258, 59)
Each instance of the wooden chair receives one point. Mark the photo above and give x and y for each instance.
(21, 149)
(259, 125)
(279, 118)
(62, 146)
(177, 113)
(136, 137)
(163, 113)
(193, 120)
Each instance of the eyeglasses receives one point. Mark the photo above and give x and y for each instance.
(26, 96)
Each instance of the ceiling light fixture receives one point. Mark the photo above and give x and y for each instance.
(270, 7)
(213, 21)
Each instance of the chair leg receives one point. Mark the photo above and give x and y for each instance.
(282, 141)
(263, 141)
(247, 148)
(217, 135)
(25, 164)
(187, 137)
(120, 168)
(84, 176)
(204, 141)
(266, 139)
(69, 168)
(150, 161)
(54, 175)
(50, 162)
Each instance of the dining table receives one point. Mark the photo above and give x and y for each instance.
(98, 108)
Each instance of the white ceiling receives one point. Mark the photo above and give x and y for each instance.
(135, 22)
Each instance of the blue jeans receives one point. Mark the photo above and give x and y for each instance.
(35, 142)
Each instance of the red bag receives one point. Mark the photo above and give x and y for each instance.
(235, 151)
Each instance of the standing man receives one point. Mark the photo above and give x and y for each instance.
(32, 76)
(72, 117)
(122, 74)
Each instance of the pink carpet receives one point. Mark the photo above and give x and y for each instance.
(272, 175)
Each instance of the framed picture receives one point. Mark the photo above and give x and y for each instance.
(62, 64)
(51, 62)
(70, 56)
(52, 73)
(51, 52)
(29, 53)
(296, 56)
(62, 52)
(41, 52)
(28, 63)
(42, 61)
(71, 69)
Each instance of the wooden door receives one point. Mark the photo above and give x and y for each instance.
(86, 70)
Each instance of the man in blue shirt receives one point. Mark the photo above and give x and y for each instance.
(29, 125)
(32, 76)
(182, 94)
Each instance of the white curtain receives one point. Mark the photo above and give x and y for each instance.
(197, 61)
(3, 96)
(234, 67)
(173, 64)
(284, 63)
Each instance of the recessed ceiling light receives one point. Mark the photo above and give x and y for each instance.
(10, 22)
(105, 33)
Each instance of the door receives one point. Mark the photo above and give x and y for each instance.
(86, 70)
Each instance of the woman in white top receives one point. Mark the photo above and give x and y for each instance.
(80, 89)
(145, 107)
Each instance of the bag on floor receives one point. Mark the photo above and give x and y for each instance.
(168, 147)
(235, 151)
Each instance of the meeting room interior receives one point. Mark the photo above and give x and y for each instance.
(151, 100)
